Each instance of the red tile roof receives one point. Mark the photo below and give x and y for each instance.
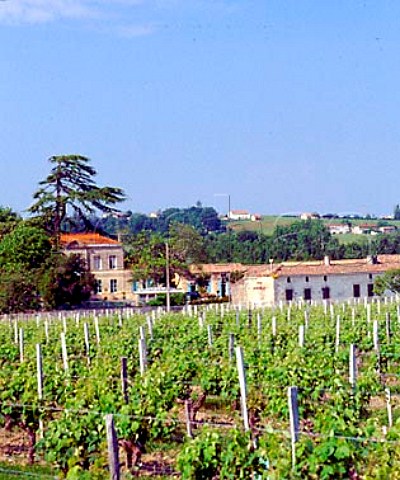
(86, 239)
(338, 267)
(239, 212)
(335, 267)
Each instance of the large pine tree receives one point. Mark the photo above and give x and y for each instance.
(69, 190)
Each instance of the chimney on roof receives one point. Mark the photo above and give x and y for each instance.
(271, 263)
(327, 260)
(372, 259)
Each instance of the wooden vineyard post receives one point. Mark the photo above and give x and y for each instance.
(87, 341)
(112, 443)
(273, 325)
(21, 345)
(242, 384)
(301, 336)
(306, 318)
(142, 333)
(142, 355)
(150, 327)
(389, 406)
(64, 351)
(337, 341)
(39, 371)
(188, 422)
(201, 321)
(97, 330)
(353, 317)
(64, 322)
(231, 346)
(259, 325)
(124, 378)
(120, 319)
(388, 327)
(210, 335)
(16, 332)
(46, 329)
(281, 305)
(368, 313)
(376, 335)
(250, 317)
(294, 421)
(353, 366)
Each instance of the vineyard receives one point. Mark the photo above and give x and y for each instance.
(213, 393)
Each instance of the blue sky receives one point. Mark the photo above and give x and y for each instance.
(287, 105)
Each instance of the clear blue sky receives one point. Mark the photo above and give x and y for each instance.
(288, 105)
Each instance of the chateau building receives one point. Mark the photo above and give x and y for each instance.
(104, 258)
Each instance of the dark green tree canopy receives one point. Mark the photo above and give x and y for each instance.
(26, 247)
(8, 220)
(65, 282)
(390, 280)
(70, 189)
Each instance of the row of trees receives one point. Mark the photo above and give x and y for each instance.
(203, 219)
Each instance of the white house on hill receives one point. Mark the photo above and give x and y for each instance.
(239, 215)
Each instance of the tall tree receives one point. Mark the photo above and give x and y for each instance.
(70, 189)
(396, 213)
(65, 281)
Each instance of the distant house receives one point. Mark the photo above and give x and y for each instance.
(309, 216)
(239, 215)
(365, 229)
(255, 217)
(387, 229)
(104, 258)
(339, 228)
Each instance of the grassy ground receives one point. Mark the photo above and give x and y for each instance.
(268, 224)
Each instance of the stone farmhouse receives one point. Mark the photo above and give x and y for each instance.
(339, 228)
(341, 280)
(104, 258)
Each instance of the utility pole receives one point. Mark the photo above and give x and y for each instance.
(167, 280)
(229, 228)
(228, 221)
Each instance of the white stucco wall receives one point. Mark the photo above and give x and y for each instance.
(253, 291)
(340, 285)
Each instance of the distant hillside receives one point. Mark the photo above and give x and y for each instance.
(268, 223)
